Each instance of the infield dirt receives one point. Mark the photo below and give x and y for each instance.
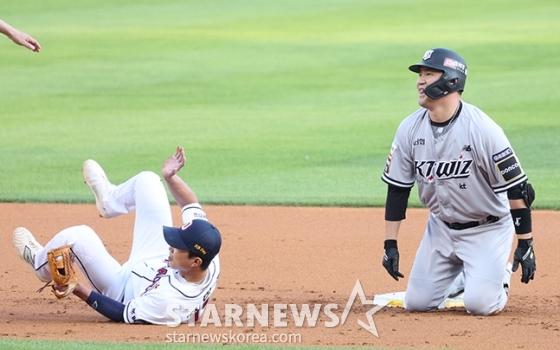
(289, 255)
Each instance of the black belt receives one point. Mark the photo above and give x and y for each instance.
(462, 226)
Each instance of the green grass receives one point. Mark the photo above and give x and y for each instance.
(74, 345)
(291, 102)
(14, 344)
(276, 102)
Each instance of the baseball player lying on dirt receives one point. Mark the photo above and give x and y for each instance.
(167, 265)
(472, 181)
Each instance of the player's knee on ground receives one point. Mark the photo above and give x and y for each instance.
(485, 301)
(420, 298)
(420, 303)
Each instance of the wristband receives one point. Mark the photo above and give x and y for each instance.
(525, 243)
(390, 243)
(522, 220)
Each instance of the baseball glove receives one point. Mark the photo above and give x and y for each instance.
(62, 271)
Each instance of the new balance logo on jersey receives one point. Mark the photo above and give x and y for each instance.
(419, 142)
(467, 148)
(430, 169)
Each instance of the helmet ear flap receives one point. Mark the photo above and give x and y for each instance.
(435, 90)
(444, 86)
(452, 85)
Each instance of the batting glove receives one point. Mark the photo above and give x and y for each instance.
(391, 259)
(525, 255)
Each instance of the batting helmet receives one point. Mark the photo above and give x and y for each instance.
(454, 70)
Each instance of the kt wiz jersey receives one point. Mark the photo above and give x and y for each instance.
(162, 296)
(462, 175)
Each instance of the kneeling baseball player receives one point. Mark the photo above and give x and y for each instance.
(470, 178)
(168, 266)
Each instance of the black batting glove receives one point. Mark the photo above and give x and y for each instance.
(391, 259)
(525, 255)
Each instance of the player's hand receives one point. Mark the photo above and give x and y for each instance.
(525, 255)
(391, 259)
(25, 40)
(174, 163)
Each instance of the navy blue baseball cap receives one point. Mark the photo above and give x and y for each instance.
(198, 236)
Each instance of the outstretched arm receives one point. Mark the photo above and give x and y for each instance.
(19, 37)
(179, 189)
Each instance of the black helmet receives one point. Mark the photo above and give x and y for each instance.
(454, 70)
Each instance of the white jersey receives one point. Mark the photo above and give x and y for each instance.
(462, 175)
(158, 294)
(168, 298)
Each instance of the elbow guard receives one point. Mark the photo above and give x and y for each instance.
(523, 191)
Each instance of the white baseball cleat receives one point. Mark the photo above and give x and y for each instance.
(26, 246)
(95, 178)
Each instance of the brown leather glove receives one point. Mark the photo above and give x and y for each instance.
(62, 271)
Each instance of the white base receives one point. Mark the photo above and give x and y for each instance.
(396, 299)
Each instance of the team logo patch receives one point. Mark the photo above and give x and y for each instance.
(427, 55)
(510, 168)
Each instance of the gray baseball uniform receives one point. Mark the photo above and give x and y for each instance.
(463, 171)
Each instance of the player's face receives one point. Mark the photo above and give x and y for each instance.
(179, 259)
(426, 77)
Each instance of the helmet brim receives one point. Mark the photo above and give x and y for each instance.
(416, 67)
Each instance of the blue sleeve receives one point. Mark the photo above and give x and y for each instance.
(106, 306)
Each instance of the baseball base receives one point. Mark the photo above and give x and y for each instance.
(396, 299)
